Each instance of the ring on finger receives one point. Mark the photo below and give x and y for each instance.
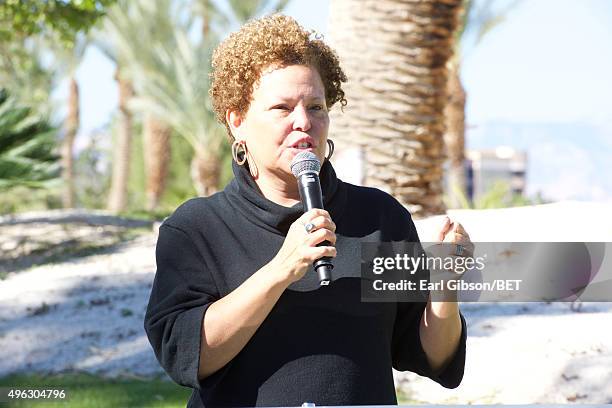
(309, 227)
(459, 250)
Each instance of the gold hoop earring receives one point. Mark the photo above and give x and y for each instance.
(239, 157)
(330, 144)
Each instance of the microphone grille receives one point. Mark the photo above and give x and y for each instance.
(305, 162)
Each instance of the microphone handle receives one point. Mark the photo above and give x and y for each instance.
(324, 267)
(312, 197)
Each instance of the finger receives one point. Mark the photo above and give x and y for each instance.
(330, 224)
(324, 222)
(445, 228)
(314, 213)
(456, 237)
(459, 229)
(310, 215)
(462, 239)
(314, 253)
(450, 235)
(321, 235)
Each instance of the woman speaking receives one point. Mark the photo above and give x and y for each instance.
(236, 312)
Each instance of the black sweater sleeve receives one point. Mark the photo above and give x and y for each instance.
(407, 350)
(182, 291)
(408, 353)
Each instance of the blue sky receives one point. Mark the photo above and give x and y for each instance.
(540, 81)
(549, 61)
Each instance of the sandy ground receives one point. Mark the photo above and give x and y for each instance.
(526, 353)
(86, 314)
(83, 314)
(530, 353)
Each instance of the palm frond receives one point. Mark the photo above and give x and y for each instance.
(176, 89)
(25, 74)
(244, 10)
(280, 5)
(211, 15)
(27, 146)
(480, 17)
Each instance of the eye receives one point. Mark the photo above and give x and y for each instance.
(317, 107)
(281, 107)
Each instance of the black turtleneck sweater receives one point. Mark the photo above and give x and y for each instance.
(318, 344)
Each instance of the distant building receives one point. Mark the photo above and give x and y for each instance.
(483, 168)
(486, 167)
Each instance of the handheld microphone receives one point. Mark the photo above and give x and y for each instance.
(305, 166)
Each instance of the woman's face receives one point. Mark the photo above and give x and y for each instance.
(287, 114)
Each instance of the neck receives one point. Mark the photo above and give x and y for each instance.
(278, 189)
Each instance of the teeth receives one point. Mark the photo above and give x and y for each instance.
(303, 145)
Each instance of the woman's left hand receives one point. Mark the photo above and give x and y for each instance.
(453, 233)
(455, 242)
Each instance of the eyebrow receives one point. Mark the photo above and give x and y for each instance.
(289, 99)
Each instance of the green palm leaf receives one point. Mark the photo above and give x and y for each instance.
(26, 147)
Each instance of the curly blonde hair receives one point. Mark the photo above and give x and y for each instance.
(276, 40)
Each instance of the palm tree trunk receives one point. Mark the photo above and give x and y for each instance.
(122, 149)
(72, 127)
(394, 53)
(206, 21)
(454, 138)
(205, 172)
(156, 158)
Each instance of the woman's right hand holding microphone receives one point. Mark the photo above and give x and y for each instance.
(300, 250)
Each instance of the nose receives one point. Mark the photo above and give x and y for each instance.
(301, 120)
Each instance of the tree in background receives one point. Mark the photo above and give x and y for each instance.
(218, 21)
(478, 18)
(122, 146)
(26, 147)
(128, 26)
(242, 11)
(24, 23)
(213, 20)
(71, 129)
(55, 20)
(394, 54)
(66, 18)
(106, 40)
(69, 56)
(23, 73)
(91, 168)
(176, 91)
(29, 78)
(174, 85)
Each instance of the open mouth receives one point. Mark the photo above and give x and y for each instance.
(303, 145)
